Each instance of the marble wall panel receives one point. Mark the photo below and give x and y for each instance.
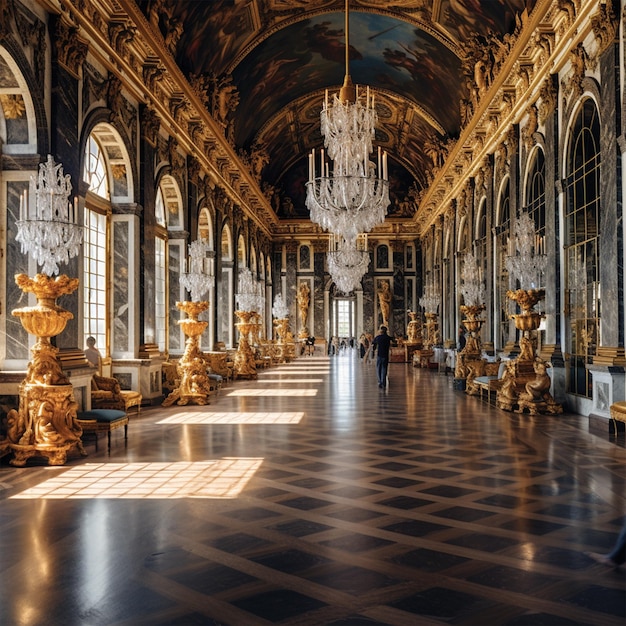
(121, 288)
(16, 263)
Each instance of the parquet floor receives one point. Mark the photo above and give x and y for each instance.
(312, 497)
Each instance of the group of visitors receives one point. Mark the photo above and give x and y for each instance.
(339, 345)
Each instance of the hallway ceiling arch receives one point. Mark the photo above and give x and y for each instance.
(274, 59)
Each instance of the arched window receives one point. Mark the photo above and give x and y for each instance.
(480, 242)
(501, 249)
(581, 242)
(18, 126)
(94, 172)
(536, 199)
(95, 253)
(226, 288)
(160, 293)
(159, 209)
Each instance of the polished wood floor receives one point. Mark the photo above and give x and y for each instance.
(312, 497)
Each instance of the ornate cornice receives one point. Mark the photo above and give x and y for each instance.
(124, 41)
(546, 41)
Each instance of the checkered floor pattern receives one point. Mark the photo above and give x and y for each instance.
(312, 497)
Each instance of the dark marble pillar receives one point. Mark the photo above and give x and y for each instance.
(398, 302)
(64, 147)
(147, 192)
(552, 304)
(611, 266)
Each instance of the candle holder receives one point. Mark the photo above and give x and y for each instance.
(244, 361)
(193, 367)
(45, 422)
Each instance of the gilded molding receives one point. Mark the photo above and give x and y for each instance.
(150, 125)
(604, 24)
(548, 95)
(121, 35)
(572, 85)
(71, 49)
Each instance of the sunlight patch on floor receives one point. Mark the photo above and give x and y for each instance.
(267, 381)
(225, 417)
(223, 478)
(315, 369)
(272, 392)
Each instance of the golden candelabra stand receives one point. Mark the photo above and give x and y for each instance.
(285, 344)
(472, 350)
(244, 361)
(413, 329)
(193, 367)
(432, 330)
(526, 383)
(45, 423)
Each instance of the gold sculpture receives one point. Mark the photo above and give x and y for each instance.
(384, 301)
(244, 361)
(526, 384)
(413, 330)
(286, 348)
(45, 423)
(304, 299)
(193, 368)
(472, 350)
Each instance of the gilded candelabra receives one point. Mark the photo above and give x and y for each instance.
(193, 368)
(285, 344)
(473, 323)
(526, 383)
(473, 291)
(432, 331)
(413, 329)
(286, 348)
(244, 361)
(45, 422)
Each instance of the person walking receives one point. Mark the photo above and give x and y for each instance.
(381, 345)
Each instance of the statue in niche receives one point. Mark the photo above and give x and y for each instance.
(304, 299)
(384, 301)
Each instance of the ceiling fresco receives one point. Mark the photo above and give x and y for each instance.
(279, 56)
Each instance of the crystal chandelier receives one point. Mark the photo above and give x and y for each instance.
(352, 197)
(525, 262)
(247, 295)
(472, 287)
(348, 261)
(430, 300)
(48, 231)
(280, 310)
(196, 281)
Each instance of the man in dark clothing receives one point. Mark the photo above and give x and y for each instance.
(380, 346)
(462, 340)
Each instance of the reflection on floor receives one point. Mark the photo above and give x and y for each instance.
(326, 501)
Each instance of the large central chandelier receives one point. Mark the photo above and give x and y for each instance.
(351, 195)
(348, 261)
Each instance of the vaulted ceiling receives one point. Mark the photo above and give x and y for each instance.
(273, 60)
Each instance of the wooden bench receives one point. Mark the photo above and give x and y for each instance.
(618, 413)
(103, 420)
